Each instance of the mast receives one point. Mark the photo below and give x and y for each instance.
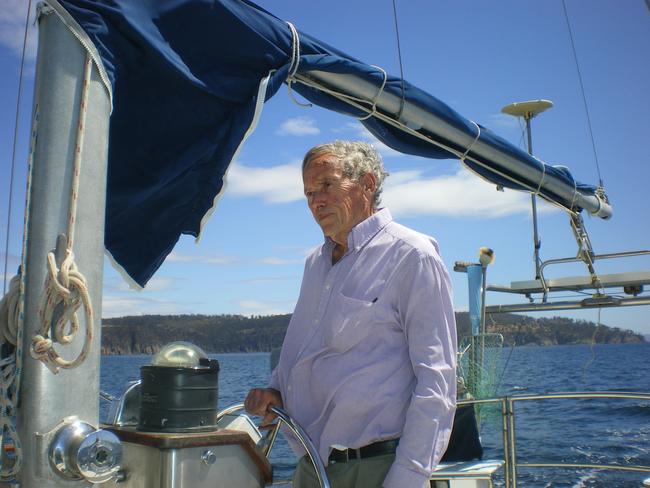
(528, 110)
(47, 398)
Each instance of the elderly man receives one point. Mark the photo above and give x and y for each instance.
(368, 362)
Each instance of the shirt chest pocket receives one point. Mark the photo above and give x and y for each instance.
(352, 320)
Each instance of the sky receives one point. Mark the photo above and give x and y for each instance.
(474, 55)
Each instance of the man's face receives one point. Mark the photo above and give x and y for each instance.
(337, 202)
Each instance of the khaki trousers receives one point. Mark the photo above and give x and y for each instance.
(363, 473)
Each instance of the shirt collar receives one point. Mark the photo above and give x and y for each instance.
(364, 231)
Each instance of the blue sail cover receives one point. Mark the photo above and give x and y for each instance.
(185, 76)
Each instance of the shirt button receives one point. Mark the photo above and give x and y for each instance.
(327, 287)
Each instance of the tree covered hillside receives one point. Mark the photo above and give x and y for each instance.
(146, 334)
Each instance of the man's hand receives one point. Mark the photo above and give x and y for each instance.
(260, 400)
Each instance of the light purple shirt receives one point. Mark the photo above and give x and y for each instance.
(370, 352)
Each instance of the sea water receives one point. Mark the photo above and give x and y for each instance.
(551, 431)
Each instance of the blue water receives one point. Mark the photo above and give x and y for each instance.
(574, 431)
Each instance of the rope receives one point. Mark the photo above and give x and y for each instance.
(295, 62)
(358, 103)
(375, 99)
(9, 326)
(399, 57)
(11, 313)
(15, 142)
(592, 350)
(541, 181)
(8, 400)
(469, 148)
(65, 287)
(582, 91)
(12, 318)
(575, 195)
(9, 308)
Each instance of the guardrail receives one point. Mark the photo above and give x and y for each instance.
(510, 439)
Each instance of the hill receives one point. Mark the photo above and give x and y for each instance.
(146, 334)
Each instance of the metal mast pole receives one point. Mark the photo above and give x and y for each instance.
(533, 201)
(528, 110)
(47, 398)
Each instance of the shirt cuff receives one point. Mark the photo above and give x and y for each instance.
(273, 381)
(400, 477)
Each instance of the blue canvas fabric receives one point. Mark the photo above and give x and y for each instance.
(185, 76)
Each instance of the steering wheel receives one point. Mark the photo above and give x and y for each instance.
(299, 432)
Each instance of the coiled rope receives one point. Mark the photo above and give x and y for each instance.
(10, 307)
(65, 286)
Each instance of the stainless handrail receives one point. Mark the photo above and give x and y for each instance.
(509, 432)
(594, 257)
(118, 404)
(233, 408)
(300, 433)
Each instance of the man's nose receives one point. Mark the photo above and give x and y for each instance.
(317, 199)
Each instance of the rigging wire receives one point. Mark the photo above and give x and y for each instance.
(13, 151)
(592, 349)
(399, 56)
(507, 361)
(582, 92)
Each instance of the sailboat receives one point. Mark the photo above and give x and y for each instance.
(148, 204)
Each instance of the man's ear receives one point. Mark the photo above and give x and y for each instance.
(369, 182)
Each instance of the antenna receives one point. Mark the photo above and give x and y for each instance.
(528, 110)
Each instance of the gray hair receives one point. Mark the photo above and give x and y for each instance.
(357, 159)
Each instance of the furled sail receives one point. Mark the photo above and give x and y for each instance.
(188, 78)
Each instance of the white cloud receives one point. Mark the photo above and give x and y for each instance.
(406, 193)
(277, 184)
(160, 283)
(459, 195)
(157, 283)
(263, 307)
(399, 177)
(136, 304)
(298, 126)
(268, 280)
(12, 27)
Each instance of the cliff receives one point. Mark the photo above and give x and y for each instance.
(146, 334)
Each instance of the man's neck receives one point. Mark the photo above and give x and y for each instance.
(341, 240)
(338, 252)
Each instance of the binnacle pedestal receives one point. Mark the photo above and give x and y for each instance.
(198, 460)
